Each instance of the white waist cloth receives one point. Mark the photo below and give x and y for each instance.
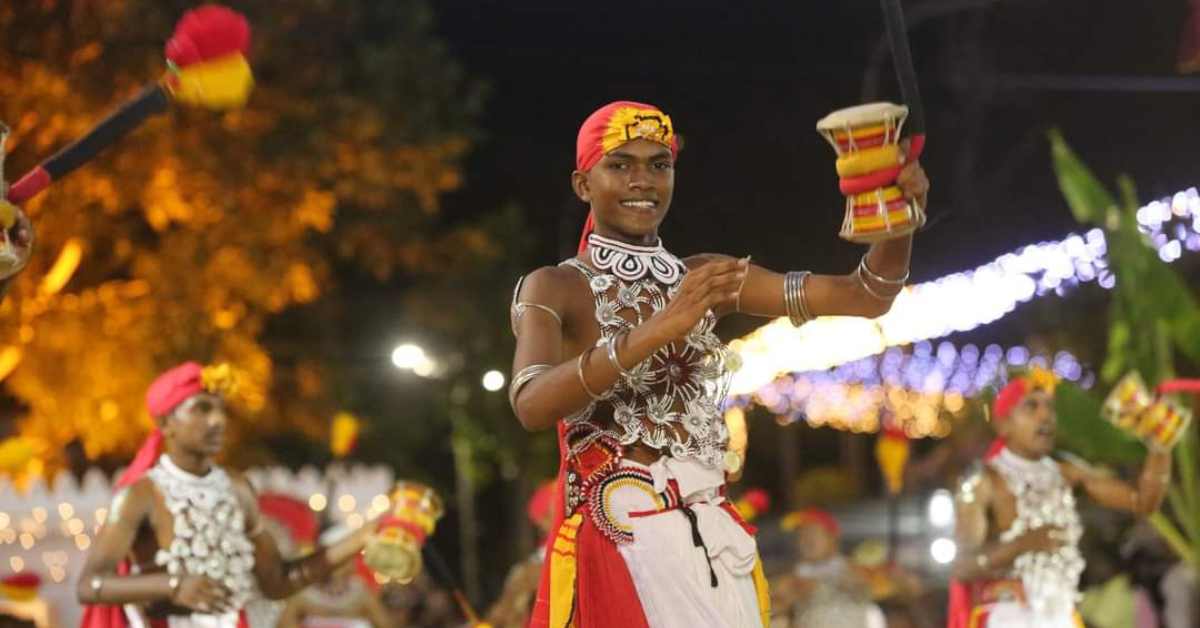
(227, 620)
(335, 622)
(1019, 615)
(671, 574)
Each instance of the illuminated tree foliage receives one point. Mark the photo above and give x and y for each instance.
(199, 228)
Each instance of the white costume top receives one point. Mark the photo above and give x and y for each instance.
(1050, 580)
(209, 537)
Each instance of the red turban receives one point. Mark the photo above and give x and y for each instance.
(1012, 394)
(1009, 397)
(173, 388)
(617, 123)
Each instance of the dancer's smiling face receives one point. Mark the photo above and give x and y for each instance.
(629, 190)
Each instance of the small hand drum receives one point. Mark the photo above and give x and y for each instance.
(866, 139)
(394, 551)
(1158, 422)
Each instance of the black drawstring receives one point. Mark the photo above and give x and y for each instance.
(698, 541)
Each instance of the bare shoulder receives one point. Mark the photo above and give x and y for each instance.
(549, 285)
(699, 260)
(977, 484)
(133, 503)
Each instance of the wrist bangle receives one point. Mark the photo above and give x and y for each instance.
(579, 371)
(877, 278)
(612, 354)
(882, 296)
(97, 584)
(173, 583)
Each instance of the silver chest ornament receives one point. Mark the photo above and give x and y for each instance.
(1050, 579)
(209, 529)
(672, 400)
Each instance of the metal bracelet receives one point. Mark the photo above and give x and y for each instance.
(97, 584)
(579, 371)
(611, 348)
(795, 297)
(862, 281)
(524, 376)
(877, 278)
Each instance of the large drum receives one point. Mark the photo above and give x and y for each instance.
(866, 139)
(395, 550)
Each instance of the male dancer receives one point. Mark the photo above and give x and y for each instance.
(1018, 529)
(619, 340)
(193, 531)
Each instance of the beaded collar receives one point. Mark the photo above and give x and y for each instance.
(631, 262)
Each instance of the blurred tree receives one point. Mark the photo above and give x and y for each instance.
(198, 230)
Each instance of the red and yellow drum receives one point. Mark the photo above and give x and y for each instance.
(395, 549)
(1159, 422)
(866, 139)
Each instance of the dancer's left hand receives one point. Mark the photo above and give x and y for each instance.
(912, 180)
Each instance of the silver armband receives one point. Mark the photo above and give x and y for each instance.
(524, 376)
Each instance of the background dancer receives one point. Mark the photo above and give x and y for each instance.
(197, 540)
(1018, 527)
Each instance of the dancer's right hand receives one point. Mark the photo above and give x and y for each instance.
(1044, 539)
(201, 593)
(703, 289)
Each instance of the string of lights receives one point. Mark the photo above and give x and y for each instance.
(848, 372)
(922, 390)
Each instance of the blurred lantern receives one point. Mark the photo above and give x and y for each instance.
(344, 434)
(394, 551)
(891, 452)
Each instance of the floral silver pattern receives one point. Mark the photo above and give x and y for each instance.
(670, 401)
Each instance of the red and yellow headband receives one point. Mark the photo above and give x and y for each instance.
(618, 123)
(1018, 387)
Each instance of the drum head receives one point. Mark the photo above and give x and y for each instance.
(862, 115)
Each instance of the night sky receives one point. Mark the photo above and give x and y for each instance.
(745, 87)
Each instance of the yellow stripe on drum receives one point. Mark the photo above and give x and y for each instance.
(896, 218)
(890, 194)
(868, 161)
(862, 131)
